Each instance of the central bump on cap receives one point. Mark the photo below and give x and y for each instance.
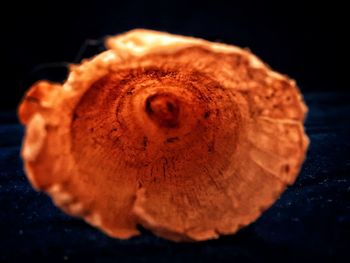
(164, 109)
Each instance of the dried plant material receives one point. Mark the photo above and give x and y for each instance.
(189, 138)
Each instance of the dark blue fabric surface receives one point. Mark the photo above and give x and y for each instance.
(310, 222)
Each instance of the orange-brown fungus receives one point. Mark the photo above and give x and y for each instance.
(189, 138)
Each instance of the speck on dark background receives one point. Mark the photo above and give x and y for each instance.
(299, 38)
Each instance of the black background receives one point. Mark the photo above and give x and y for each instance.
(299, 38)
(305, 40)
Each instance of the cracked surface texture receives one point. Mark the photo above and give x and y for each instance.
(189, 138)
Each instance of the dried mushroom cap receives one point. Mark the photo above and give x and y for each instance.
(189, 138)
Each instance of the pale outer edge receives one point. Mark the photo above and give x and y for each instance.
(137, 43)
(140, 42)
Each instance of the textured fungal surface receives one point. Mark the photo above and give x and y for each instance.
(188, 138)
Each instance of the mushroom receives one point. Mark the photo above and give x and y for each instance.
(189, 138)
